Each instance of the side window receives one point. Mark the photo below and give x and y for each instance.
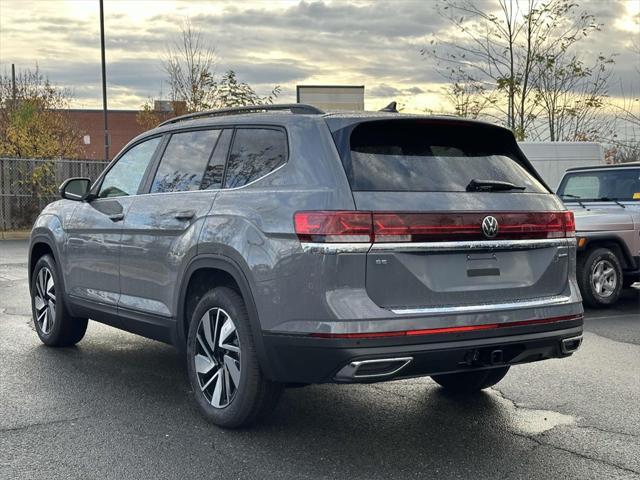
(215, 170)
(255, 152)
(184, 161)
(125, 176)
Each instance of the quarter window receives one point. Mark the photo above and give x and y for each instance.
(184, 161)
(255, 152)
(125, 176)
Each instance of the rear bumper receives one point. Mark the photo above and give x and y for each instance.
(304, 359)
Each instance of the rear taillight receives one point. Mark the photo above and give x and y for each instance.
(569, 224)
(331, 227)
(381, 227)
(423, 227)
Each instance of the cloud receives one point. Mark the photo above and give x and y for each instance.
(385, 90)
(267, 43)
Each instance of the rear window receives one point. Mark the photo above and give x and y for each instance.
(614, 184)
(425, 157)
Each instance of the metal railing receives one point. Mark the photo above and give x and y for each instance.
(28, 185)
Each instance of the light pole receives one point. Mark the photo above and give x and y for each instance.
(104, 85)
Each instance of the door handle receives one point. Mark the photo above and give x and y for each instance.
(185, 215)
(116, 217)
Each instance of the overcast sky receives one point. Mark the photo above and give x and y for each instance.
(286, 43)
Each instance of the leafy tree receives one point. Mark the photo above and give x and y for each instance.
(230, 92)
(148, 117)
(33, 118)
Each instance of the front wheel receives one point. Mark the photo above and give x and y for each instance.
(223, 367)
(468, 382)
(54, 324)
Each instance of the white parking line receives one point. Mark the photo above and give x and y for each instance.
(609, 316)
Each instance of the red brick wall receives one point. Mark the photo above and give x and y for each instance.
(122, 128)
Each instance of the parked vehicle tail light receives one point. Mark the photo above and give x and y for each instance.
(334, 226)
(430, 227)
(569, 224)
(357, 226)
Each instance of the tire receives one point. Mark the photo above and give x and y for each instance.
(54, 324)
(469, 382)
(231, 390)
(599, 277)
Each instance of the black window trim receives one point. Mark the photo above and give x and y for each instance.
(153, 166)
(97, 185)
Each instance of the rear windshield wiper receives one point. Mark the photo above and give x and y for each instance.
(607, 199)
(577, 197)
(491, 186)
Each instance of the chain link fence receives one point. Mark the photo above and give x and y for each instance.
(28, 185)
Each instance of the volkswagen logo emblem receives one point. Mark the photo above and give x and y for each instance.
(490, 226)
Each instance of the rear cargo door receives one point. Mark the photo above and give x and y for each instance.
(440, 242)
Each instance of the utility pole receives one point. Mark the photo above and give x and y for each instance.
(104, 85)
(13, 83)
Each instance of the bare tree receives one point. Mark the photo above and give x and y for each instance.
(625, 144)
(572, 96)
(499, 49)
(468, 97)
(190, 67)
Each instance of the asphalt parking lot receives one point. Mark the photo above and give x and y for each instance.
(118, 406)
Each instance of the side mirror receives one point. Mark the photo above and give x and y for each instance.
(75, 188)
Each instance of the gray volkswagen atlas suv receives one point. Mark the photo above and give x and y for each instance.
(283, 246)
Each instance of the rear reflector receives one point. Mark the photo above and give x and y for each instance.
(435, 331)
(359, 226)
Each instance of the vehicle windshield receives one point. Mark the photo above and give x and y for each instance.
(420, 157)
(607, 185)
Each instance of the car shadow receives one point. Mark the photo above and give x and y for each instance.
(137, 386)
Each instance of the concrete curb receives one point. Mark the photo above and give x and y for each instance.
(15, 235)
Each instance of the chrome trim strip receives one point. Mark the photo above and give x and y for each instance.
(472, 245)
(335, 248)
(485, 307)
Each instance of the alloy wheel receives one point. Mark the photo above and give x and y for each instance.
(217, 357)
(604, 278)
(45, 300)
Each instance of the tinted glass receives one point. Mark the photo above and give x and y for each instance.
(215, 169)
(614, 184)
(184, 161)
(125, 176)
(415, 156)
(255, 152)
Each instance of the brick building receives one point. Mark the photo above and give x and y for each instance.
(123, 126)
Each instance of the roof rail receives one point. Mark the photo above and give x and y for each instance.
(298, 108)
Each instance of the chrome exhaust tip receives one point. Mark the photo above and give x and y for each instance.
(571, 344)
(376, 368)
